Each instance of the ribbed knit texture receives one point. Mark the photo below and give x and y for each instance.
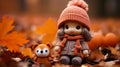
(75, 11)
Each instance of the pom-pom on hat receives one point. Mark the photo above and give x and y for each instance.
(76, 10)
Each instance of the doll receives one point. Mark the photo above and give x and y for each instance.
(42, 55)
(73, 33)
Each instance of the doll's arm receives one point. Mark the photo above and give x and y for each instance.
(86, 34)
(56, 49)
(85, 48)
(60, 33)
(57, 45)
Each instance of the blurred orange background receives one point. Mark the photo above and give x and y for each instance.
(104, 14)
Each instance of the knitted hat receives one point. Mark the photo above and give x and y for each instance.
(76, 10)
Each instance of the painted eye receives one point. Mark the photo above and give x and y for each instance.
(66, 27)
(46, 50)
(77, 27)
(38, 51)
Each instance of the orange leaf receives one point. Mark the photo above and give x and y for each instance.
(14, 40)
(6, 25)
(27, 52)
(49, 29)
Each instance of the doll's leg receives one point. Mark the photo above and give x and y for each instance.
(65, 60)
(76, 61)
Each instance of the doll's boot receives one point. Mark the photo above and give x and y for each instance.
(76, 61)
(65, 60)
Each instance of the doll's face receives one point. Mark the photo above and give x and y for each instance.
(72, 28)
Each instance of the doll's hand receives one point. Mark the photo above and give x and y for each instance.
(86, 53)
(57, 48)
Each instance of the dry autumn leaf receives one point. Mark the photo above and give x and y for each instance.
(12, 40)
(27, 52)
(49, 30)
(6, 26)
